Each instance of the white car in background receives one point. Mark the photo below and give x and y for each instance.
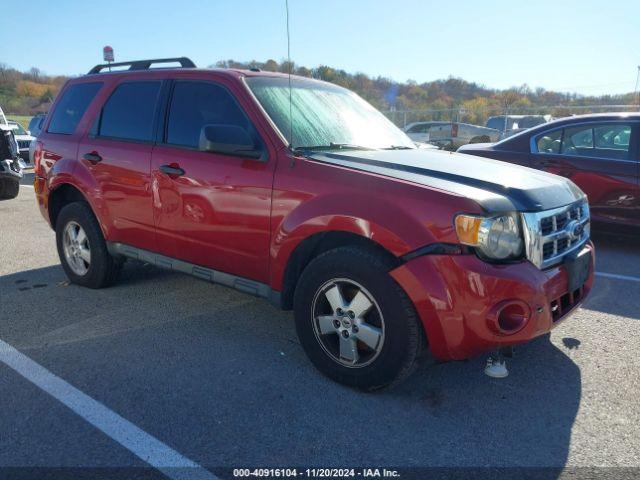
(24, 139)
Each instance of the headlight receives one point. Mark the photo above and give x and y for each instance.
(497, 238)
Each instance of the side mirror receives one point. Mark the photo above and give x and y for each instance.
(228, 140)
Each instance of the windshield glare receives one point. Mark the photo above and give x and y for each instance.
(324, 114)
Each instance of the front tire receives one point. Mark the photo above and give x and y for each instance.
(82, 248)
(354, 321)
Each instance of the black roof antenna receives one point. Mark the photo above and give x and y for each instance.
(291, 148)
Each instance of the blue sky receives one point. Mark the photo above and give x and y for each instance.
(591, 47)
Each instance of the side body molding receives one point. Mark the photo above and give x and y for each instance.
(241, 284)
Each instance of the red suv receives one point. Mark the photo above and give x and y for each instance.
(299, 191)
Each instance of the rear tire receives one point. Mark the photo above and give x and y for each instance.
(370, 350)
(9, 189)
(82, 248)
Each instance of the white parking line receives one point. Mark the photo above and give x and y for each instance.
(137, 441)
(615, 276)
(26, 185)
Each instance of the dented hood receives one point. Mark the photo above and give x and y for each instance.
(496, 186)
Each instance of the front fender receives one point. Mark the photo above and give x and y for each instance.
(313, 216)
(312, 197)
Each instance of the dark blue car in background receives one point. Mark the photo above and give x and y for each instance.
(598, 152)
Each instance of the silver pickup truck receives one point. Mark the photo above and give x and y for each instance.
(509, 125)
(451, 136)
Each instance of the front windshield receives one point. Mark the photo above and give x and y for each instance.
(325, 115)
(19, 130)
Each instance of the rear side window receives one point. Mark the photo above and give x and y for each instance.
(71, 107)
(129, 112)
(550, 142)
(576, 139)
(609, 140)
(614, 136)
(196, 104)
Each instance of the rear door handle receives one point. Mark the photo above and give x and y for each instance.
(93, 157)
(172, 170)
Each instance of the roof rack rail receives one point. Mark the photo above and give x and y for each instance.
(144, 64)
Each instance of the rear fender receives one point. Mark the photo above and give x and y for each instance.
(84, 182)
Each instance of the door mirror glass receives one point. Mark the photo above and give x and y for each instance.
(229, 140)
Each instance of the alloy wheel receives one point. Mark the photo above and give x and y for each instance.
(77, 250)
(348, 322)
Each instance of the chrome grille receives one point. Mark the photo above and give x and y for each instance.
(23, 143)
(552, 234)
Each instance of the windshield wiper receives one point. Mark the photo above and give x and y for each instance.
(332, 146)
(399, 147)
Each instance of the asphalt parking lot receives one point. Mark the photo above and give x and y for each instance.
(218, 378)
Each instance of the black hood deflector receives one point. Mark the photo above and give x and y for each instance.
(496, 186)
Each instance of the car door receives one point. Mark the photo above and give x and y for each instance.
(214, 209)
(116, 152)
(599, 157)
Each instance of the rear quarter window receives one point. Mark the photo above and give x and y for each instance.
(71, 107)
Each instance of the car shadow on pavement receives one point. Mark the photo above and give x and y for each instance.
(523, 420)
(221, 377)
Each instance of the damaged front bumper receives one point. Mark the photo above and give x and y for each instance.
(468, 306)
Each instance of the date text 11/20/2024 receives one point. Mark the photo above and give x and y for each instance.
(316, 472)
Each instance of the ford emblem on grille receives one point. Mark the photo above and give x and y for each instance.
(550, 235)
(575, 229)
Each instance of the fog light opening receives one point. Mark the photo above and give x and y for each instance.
(512, 318)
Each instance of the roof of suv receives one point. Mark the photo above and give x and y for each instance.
(144, 68)
(231, 72)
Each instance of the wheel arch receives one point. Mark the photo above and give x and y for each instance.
(315, 245)
(64, 194)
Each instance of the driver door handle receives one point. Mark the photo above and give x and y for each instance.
(172, 170)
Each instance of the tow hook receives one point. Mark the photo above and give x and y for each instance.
(496, 364)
